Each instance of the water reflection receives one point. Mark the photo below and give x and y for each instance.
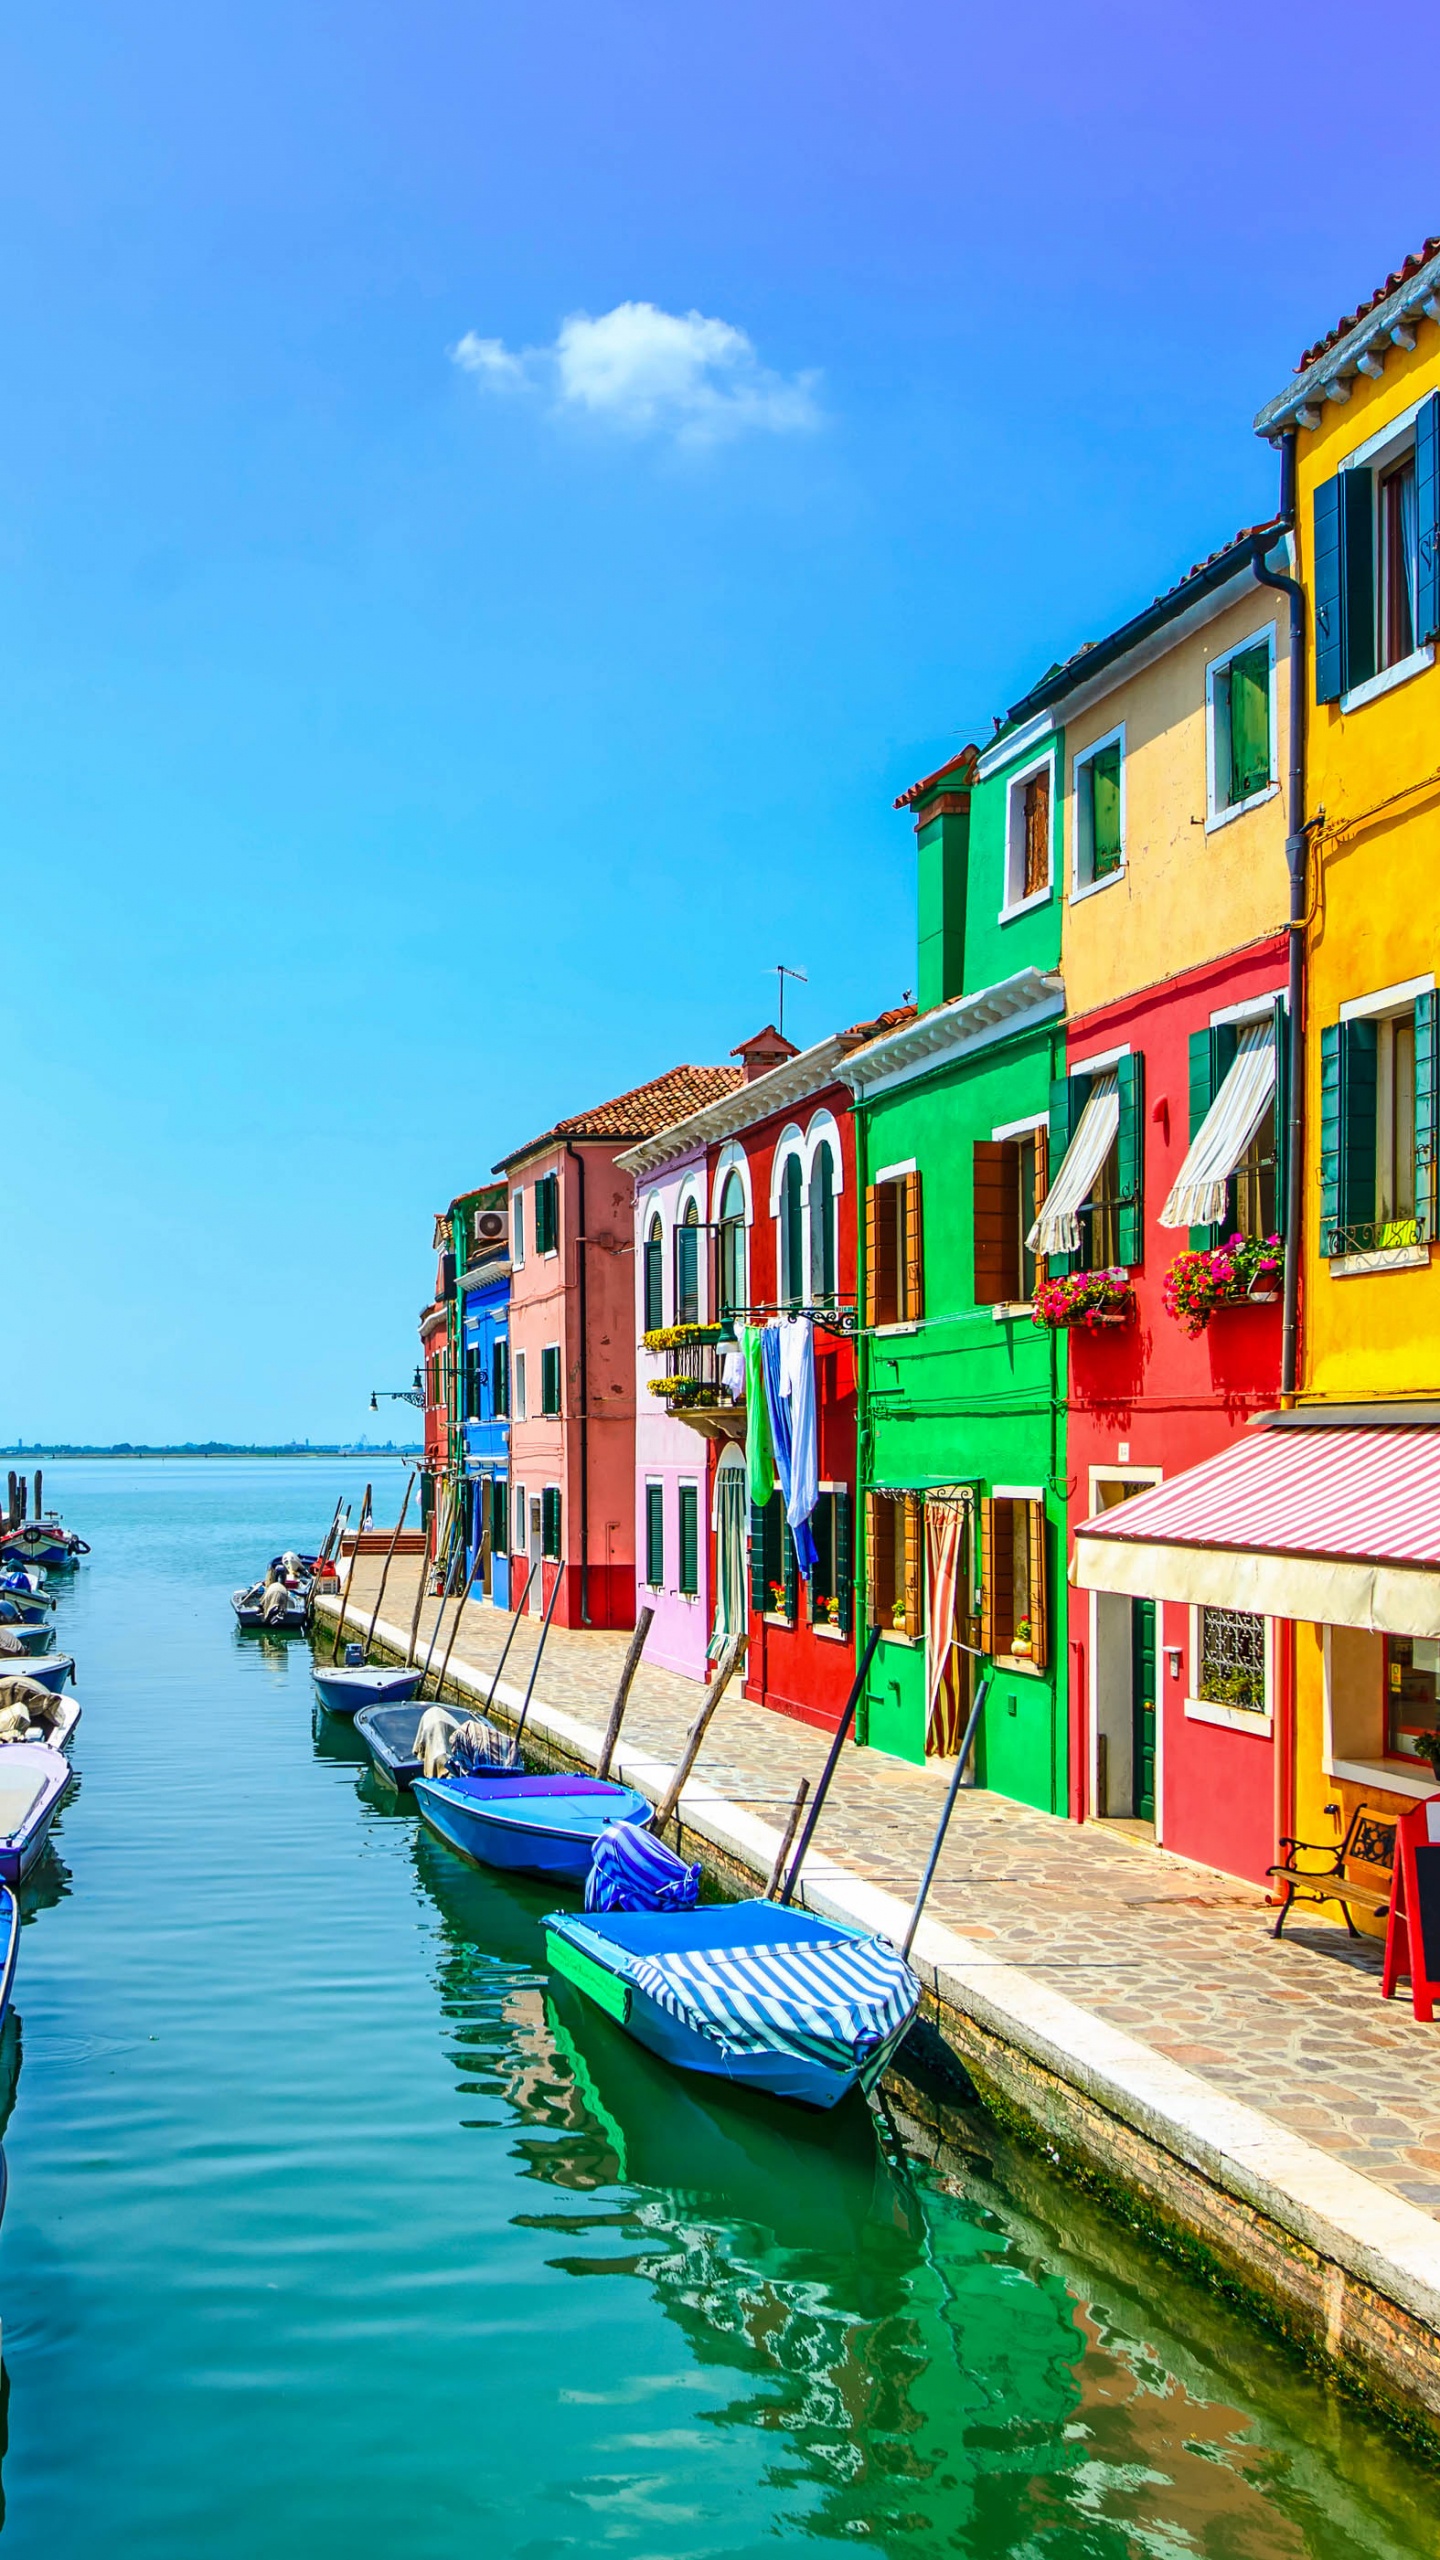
(929, 2368)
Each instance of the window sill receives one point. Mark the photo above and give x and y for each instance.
(1093, 888)
(1388, 678)
(1010, 1310)
(775, 1618)
(1393, 1257)
(897, 1635)
(1240, 808)
(1026, 906)
(1256, 1720)
(1021, 1662)
(881, 1331)
(1393, 1775)
(829, 1635)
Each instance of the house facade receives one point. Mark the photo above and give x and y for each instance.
(483, 1382)
(572, 1349)
(961, 1397)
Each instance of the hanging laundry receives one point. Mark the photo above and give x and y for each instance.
(797, 1379)
(759, 1451)
(778, 1403)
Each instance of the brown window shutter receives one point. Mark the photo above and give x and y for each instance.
(1042, 1185)
(997, 1226)
(1002, 1573)
(872, 1558)
(872, 1266)
(914, 1551)
(987, 1575)
(1037, 834)
(1039, 1596)
(914, 1251)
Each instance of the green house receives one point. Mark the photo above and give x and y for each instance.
(962, 1396)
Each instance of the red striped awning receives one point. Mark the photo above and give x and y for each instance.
(1340, 1526)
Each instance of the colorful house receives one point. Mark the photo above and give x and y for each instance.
(572, 1347)
(483, 1300)
(961, 1450)
(1165, 1142)
(746, 1213)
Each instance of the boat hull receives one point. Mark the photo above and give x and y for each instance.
(512, 1826)
(21, 1844)
(345, 1692)
(52, 1670)
(251, 1615)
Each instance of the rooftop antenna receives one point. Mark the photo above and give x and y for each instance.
(782, 973)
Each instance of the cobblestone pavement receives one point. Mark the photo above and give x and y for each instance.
(1177, 1955)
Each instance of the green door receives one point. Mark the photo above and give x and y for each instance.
(1142, 1705)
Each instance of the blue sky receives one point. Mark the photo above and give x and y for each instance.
(399, 750)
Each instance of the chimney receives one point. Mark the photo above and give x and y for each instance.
(764, 1050)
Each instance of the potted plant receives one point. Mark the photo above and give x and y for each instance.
(1241, 1270)
(777, 1598)
(1428, 1747)
(1084, 1301)
(897, 1617)
(1022, 1642)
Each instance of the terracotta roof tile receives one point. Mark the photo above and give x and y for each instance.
(1351, 319)
(917, 790)
(640, 1113)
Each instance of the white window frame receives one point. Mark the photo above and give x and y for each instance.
(1388, 445)
(1015, 902)
(559, 1350)
(518, 1504)
(1218, 814)
(517, 1229)
(1253, 1720)
(1392, 1775)
(518, 1386)
(1080, 887)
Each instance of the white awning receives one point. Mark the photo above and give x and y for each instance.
(1199, 1194)
(1057, 1229)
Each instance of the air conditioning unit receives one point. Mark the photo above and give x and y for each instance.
(489, 1226)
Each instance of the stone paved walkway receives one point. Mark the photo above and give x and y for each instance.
(1178, 1956)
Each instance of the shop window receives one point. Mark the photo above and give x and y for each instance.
(1231, 1667)
(1412, 1696)
(831, 1583)
(894, 1553)
(1014, 1605)
(894, 1251)
(1010, 1181)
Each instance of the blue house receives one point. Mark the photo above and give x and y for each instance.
(483, 1289)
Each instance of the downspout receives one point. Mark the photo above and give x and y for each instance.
(1295, 855)
(584, 1383)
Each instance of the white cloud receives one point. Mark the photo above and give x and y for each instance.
(649, 371)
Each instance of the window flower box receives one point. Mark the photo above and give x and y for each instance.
(1085, 1301)
(684, 1337)
(1244, 1271)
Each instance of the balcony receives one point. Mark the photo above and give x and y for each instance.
(690, 1385)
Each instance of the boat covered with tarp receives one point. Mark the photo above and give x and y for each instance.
(755, 1992)
(429, 1741)
(280, 1599)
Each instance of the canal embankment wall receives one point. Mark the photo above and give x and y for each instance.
(1346, 2269)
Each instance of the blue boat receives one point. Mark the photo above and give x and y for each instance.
(389, 1735)
(749, 1992)
(343, 1690)
(23, 1608)
(52, 1670)
(33, 1778)
(541, 1826)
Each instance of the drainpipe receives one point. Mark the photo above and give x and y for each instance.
(580, 1242)
(1295, 856)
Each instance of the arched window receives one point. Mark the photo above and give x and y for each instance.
(792, 1235)
(687, 1266)
(654, 1277)
(822, 1223)
(733, 1293)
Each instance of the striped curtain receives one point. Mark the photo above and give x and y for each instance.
(945, 1540)
(728, 1520)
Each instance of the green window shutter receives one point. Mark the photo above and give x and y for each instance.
(547, 1213)
(1281, 1034)
(1249, 723)
(1202, 1094)
(1357, 559)
(759, 1596)
(1130, 1158)
(1330, 1133)
(792, 1277)
(687, 1275)
(790, 1574)
(654, 1287)
(1359, 1061)
(1329, 593)
(655, 1535)
(844, 1561)
(500, 1378)
(1068, 1097)
(550, 1521)
(1426, 1061)
(689, 1538)
(499, 1516)
(1105, 845)
(550, 1381)
(1427, 511)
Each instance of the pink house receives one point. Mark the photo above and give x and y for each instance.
(572, 1348)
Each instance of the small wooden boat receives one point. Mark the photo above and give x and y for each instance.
(250, 1612)
(45, 1541)
(52, 1670)
(23, 1608)
(58, 1730)
(759, 1995)
(18, 1641)
(389, 1735)
(343, 1688)
(33, 1778)
(545, 1825)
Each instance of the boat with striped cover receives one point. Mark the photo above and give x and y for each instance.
(543, 1825)
(759, 1995)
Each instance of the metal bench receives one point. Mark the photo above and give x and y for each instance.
(1369, 1842)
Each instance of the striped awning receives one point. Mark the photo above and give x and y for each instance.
(1337, 1526)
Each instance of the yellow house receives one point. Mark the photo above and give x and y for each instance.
(1327, 1517)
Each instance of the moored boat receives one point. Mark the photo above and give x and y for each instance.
(9, 1950)
(16, 1641)
(343, 1688)
(544, 1825)
(391, 1736)
(33, 1779)
(46, 1541)
(52, 1670)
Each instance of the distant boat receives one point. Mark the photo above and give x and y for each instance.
(749, 1992)
(345, 1688)
(544, 1825)
(33, 1778)
(45, 1541)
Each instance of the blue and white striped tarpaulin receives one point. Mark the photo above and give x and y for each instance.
(633, 1871)
(835, 2003)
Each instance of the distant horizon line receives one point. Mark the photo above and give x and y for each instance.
(214, 1449)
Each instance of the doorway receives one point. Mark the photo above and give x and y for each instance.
(1124, 1650)
(1142, 1709)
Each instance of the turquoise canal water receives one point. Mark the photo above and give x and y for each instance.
(332, 2231)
